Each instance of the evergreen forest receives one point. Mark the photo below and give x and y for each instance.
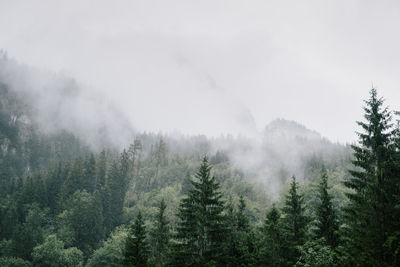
(74, 198)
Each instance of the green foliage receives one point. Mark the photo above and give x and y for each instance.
(14, 262)
(116, 186)
(318, 254)
(160, 237)
(59, 200)
(111, 251)
(8, 216)
(202, 227)
(27, 235)
(73, 182)
(374, 184)
(271, 246)
(53, 254)
(84, 218)
(242, 219)
(89, 174)
(136, 246)
(392, 245)
(54, 182)
(294, 221)
(239, 242)
(101, 171)
(327, 221)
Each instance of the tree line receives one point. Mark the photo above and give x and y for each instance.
(211, 232)
(77, 212)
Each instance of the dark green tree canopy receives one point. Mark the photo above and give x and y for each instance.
(294, 221)
(136, 247)
(202, 226)
(327, 221)
(373, 184)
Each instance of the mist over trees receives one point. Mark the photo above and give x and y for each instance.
(286, 197)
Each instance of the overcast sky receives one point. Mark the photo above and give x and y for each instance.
(217, 66)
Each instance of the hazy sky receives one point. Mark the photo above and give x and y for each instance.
(217, 66)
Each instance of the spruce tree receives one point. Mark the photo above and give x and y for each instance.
(115, 189)
(73, 181)
(238, 241)
(202, 226)
(101, 171)
(243, 235)
(89, 174)
(54, 181)
(393, 241)
(295, 222)
(231, 248)
(136, 246)
(185, 246)
(242, 220)
(160, 236)
(125, 167)
(327, 223)
(271, 247)
(372, 204)
(106, 202)
(85, 217)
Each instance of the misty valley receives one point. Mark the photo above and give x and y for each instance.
(79, 186)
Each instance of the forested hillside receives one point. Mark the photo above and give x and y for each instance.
(80, 196)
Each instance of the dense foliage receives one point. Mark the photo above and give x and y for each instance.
(162, 202)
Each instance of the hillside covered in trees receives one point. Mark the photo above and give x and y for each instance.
(76, 193)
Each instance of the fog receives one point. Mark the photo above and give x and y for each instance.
(212, 67)
(52, 103)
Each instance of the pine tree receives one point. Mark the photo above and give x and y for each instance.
(85, 217)
(136, 247)
(295, 222)
(186, 183)
(39, 189)
(185, 246)
(160, 236)
(115, 188)
(271, 248)
(102, 188)
(89, 174)
(370, 213)
(202, 227)
(135, 152)
(109, 221)
(53, 186)
(327, 223)
(231, 247)
(242, 220)
(238, 241)
(101, 171)
(125, 167)
(392, 244)
(243, 235)
(73, 181)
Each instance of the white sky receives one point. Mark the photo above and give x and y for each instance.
(217, 66)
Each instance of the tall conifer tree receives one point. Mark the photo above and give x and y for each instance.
(271, 247)
(327, 223)
(372, 205)
(89, 174)
(160, 236)
(295, 222)
(202, 226)
(136, 246)
(116, 191)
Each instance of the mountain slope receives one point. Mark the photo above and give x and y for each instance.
(53, 103)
